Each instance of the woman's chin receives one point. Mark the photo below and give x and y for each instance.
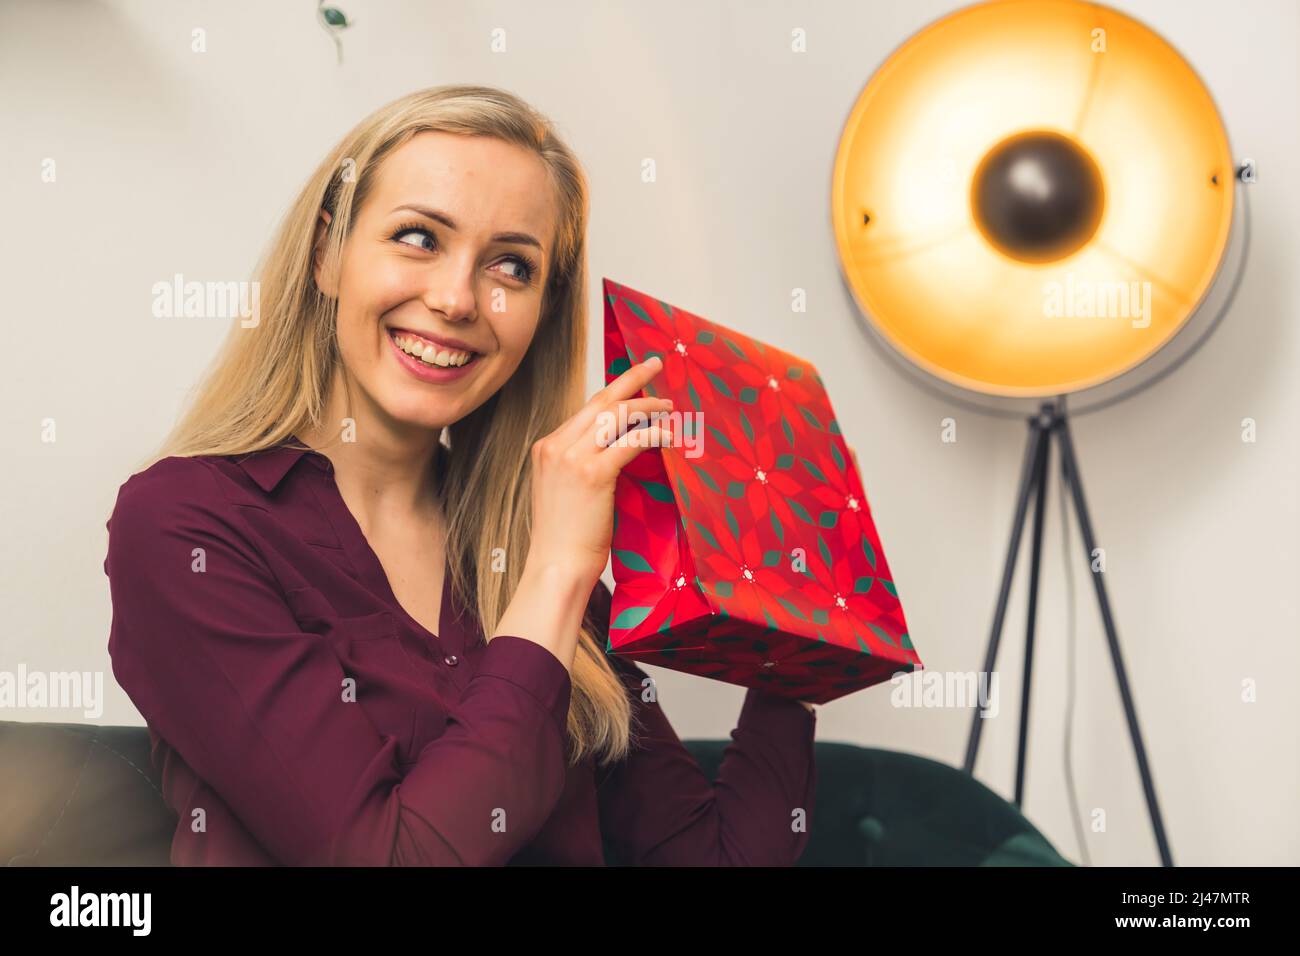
(422, 420)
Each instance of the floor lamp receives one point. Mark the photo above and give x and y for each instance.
(1033, 200)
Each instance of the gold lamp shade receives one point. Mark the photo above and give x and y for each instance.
(1031, 197)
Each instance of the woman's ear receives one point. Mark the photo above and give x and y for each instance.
(326, 278)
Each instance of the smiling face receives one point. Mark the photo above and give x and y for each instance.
(446, 260)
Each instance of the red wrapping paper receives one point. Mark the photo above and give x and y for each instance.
(745, 550)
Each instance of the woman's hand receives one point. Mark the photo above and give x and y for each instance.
(574, 474)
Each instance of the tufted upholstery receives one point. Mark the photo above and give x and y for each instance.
(885, 808)
(85, 795)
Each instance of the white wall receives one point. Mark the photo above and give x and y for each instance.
(171, 161)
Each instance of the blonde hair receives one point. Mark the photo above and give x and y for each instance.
(271, 381)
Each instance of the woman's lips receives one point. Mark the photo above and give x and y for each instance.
(425, 371)
(425, 339)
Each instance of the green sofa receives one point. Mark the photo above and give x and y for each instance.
(85, 795)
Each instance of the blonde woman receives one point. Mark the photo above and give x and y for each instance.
(356, 595)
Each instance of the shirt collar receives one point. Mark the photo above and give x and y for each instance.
(269, 466)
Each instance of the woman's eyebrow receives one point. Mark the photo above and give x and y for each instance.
(439, 216)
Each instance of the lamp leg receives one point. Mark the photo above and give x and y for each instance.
(1036, 551)
(1028, 474)
(1075, 482)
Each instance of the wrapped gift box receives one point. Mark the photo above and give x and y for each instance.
(745, 550)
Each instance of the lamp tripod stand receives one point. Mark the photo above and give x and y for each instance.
(1051, 420)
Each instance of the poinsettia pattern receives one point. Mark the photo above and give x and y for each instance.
(769, 515)
(784, 392)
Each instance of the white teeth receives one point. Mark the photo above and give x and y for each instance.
(431, 354)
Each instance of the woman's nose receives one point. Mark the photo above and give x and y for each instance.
(450, 290)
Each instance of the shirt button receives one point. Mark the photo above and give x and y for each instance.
(451, 660)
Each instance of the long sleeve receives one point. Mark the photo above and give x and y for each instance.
(657, 808)
(221, 670)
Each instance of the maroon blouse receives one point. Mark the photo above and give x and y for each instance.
(244, 597)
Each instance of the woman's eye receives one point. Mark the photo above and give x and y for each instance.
(523, 274)
(422, 239)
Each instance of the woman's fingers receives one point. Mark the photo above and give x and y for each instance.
(613, 423)
(630, 382)
(617, 455)
(626, 386)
